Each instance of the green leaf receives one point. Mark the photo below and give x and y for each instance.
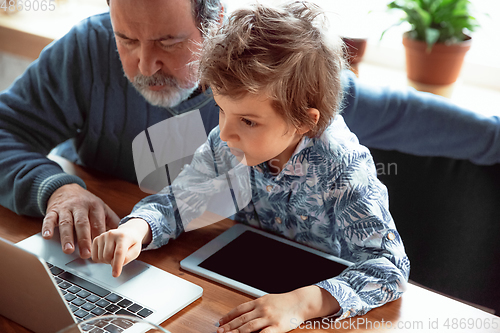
(431, 37)
(436, 20)
(425, 17)
(434, 6)
(426, 4)
(392, 26)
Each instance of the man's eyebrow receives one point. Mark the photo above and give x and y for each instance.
(119, 34)
(162, 38)
(168, 37)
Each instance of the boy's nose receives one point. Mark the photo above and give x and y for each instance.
(227, 133)
(223, 135)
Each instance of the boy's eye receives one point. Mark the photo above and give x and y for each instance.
(247, 122)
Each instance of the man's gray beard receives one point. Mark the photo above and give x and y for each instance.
(171, 95)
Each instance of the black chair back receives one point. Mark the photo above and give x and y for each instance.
(448, 214)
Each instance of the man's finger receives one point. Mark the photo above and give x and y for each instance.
(97, 217)
(82, 227)
(66, 231)
(49, 223)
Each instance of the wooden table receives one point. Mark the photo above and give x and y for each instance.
(418, 310)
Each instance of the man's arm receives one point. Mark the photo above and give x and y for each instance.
(44, 107)
(418, 123)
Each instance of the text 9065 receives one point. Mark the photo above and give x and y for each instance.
(27, 5)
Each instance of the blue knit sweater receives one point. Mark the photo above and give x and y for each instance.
(77, 89)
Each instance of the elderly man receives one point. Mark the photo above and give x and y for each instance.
(77, 90)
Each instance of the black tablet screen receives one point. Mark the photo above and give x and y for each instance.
(270, 265)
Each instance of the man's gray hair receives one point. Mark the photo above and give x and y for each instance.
(205, 12)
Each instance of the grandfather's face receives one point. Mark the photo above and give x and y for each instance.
(156, 41)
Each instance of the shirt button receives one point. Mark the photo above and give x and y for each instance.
(391, 236)
(269, 188)
(303, 217)
(278, 220)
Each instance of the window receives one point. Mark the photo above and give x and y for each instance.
(369, 18)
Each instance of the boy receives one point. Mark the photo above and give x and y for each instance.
(276, 77)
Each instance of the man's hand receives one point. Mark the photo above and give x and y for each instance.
(120, 246)
(71, 207)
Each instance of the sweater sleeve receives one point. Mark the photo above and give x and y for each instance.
(358, 206)
(44, 107)
(418, 123)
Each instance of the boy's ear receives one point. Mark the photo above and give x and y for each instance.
(314, 115)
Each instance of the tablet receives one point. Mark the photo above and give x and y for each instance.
(257, 263)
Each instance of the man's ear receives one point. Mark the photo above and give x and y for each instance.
(314, 115)
(222, 14)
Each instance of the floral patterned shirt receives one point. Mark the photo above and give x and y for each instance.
(327, 196)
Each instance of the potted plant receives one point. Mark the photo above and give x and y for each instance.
(437, 42)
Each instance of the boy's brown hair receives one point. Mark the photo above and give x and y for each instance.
(283, 52)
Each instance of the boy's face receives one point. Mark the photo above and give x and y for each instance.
(255, 132)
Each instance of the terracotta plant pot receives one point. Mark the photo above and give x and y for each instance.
(440, 66)
(355, 48)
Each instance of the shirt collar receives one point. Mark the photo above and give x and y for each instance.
(296, 166)
(196, 101)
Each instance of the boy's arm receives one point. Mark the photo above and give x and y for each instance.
(161, 214)
(418, 123)
(201, 186)
(368, 237)
(155, 219)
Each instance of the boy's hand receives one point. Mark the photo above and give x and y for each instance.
(278, 313)
(120, 246)
(272, 313)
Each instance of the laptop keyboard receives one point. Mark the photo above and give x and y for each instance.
(87, 300)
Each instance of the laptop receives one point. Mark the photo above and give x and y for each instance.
(46, 290)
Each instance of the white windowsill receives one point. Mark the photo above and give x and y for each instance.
(473, 97)
(392, 56)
